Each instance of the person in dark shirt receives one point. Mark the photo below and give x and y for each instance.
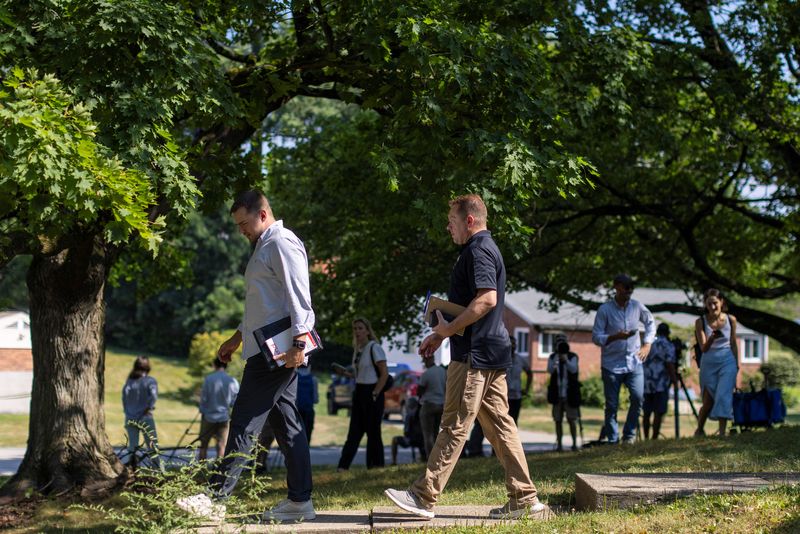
(476, 376)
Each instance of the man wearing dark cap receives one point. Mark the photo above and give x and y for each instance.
(616, 331)
(659, 374)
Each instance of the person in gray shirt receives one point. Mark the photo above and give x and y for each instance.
(431, 395)
(139, 396)
(216, 398)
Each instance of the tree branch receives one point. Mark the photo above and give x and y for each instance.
(224, 51)
(719, 56)
(687, 234)
(326, 28)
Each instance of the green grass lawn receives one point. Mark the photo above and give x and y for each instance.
(177, 407)
(480, 481)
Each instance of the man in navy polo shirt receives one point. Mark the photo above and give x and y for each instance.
(476, 377)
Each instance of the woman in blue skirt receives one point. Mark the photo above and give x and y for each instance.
(716, 333)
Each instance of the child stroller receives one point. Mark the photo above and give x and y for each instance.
(755, 409)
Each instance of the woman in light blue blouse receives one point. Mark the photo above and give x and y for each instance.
(139, 395)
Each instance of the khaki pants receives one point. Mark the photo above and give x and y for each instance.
(472, 393)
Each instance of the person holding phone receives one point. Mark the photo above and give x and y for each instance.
(716, 335)
(616, 332)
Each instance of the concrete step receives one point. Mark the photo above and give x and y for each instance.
(626, 490)
(359, 521)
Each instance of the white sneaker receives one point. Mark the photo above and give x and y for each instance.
(409, 502)
(202, 506)
(515, 511)
(288, 510)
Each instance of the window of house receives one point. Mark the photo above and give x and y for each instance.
(753, 349)
(522, 337)
(546, 344)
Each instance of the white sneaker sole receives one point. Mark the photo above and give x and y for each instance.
(290, 518)
(535, 513)
(427, 514)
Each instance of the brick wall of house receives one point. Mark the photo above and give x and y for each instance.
(16, 360)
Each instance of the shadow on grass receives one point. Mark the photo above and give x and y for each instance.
(789, 527)
(186, 395)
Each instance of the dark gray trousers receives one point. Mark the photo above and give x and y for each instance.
(266, 396)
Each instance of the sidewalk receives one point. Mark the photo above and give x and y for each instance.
(532, 442)
(380, 518)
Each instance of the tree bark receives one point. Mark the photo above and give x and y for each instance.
(68, 450)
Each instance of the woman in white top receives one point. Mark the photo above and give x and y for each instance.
(366, 414)
(716, 334)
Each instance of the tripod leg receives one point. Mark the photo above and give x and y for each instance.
(677, 409)
(691, 404)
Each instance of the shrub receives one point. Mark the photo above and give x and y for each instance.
(592, 392)
(203, 350)
(781, 370)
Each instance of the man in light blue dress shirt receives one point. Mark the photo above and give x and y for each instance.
(277, 286)
(616, 331)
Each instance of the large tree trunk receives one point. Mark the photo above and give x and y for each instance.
(68, 450)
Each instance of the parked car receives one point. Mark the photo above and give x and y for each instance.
(405, 386)
(340, 392)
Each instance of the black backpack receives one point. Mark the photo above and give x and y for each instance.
(698, 350)
(389, 380)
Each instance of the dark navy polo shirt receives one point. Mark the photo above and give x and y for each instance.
(480, 266)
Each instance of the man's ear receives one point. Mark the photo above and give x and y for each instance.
(470, 221)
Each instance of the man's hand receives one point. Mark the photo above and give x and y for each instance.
(226, 350)
(430, 344)
(622, 334)
(644, 351)
(293, 357)
(442, 328)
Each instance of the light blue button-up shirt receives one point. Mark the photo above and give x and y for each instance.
(620, 356)
(217, 396)
(277, 286)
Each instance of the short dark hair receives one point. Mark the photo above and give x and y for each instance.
(624, 279)
(219, 364)
(252, 201)
(663, 329)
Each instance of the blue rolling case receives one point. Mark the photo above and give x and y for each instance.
(758, 408)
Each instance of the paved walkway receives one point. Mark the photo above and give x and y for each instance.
(532, 442)
(379, 518)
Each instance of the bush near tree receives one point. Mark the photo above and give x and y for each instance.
(203, 350)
